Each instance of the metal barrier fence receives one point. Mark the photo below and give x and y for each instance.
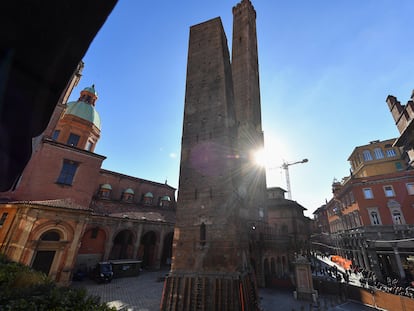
(368, 296)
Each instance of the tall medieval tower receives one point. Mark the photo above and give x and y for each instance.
(211, 267)
(245, 73)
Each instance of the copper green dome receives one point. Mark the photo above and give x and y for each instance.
(148, 195)
(165, 198)
(84, 111)
(91, 89)
(106, 186)
(129, 190)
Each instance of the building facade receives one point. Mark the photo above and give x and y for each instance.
(66, 213)
(371, 214)
(403, 116)
(286, 235)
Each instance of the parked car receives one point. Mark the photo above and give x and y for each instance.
(102, 273)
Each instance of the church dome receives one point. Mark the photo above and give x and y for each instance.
(90, 89)
(106, 186)
(148, 195)
(84, 111)
(129, 191)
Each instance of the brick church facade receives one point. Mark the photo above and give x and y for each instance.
(66, 213)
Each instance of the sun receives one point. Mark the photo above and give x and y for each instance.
(260, 158)
(270, 157)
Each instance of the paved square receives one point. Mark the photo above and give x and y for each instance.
(143, 293)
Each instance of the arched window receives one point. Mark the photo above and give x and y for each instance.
(148, 198)
(397, 218)
(367, 155)
(50, 236)
(105, 191)
(391, 153)
(375, 218)
(165, 201)
(378, 153)
(128, 195)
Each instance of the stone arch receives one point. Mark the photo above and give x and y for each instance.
(148, 249)
(93, 240)
(123, 244)
(167, 249)
(51, 235)
(46, 248)
(92, 248)
(50, 242)
(65, 230)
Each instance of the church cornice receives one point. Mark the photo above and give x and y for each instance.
(52, 142)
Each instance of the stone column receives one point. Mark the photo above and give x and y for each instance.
(354, 256)
(108, 245)
(160, 249)
(360, 261)
(137, 241)
(303, 276)
(25, 253)
(365, 258)
(398, 260)
(72, 252)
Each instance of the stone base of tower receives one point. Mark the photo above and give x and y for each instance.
(210, 292)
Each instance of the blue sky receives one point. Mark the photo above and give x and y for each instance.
(326, 68)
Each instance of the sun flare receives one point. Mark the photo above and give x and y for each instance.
(260, 158)
(271, 156)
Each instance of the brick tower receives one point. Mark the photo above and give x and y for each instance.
(211, 267)
(245, 73)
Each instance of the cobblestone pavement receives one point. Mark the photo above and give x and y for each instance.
(143, 293)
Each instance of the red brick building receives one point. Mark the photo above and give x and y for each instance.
(66, 213)
(371, 214)
(403, 116)
(285, 235)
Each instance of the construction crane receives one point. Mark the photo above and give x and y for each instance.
(285, 166)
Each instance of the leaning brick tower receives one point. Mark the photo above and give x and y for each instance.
(211, 265)
(245, 74)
